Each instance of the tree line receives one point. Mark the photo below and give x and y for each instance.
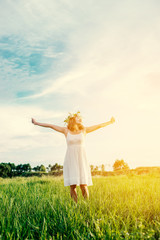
(12, 170)
(118, 165)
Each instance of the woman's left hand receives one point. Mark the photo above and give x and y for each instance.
(112, 120)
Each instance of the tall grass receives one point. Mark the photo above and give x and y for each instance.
(119, 207)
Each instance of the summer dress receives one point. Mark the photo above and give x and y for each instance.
(76, 169)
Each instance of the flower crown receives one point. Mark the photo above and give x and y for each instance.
(72, 115)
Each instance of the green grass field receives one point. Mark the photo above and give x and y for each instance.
(120, 207)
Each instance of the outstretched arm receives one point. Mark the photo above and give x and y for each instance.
(55, 127)
(95, 127)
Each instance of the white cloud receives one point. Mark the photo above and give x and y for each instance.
(105, 53)
(19, 133)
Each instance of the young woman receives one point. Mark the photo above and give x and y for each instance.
(76, 169)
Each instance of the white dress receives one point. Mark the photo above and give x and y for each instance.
(76, 169)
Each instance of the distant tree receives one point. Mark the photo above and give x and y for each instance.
(56, 167)
(5, 170)
(27, 167)
(19, 168)
(42, 168)
(119, 165)
(102, 168)
(49, 167)
(12, 166)
(92, 167)
(96, 168)
(36, 169)
(23, 167)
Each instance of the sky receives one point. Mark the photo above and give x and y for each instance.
(99, 57)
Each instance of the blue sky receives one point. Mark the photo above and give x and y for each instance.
(101, 58)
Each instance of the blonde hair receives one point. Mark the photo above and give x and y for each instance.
(72, 122)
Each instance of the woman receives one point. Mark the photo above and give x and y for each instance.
(76, 169)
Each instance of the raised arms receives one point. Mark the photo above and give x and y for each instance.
(55, 127)
(63, 129)
(95, 127)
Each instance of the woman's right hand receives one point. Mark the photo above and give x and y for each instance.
(34, 121)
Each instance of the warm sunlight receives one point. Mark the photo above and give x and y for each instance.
(79, 120)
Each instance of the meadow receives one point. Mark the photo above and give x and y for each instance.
(119, 207)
